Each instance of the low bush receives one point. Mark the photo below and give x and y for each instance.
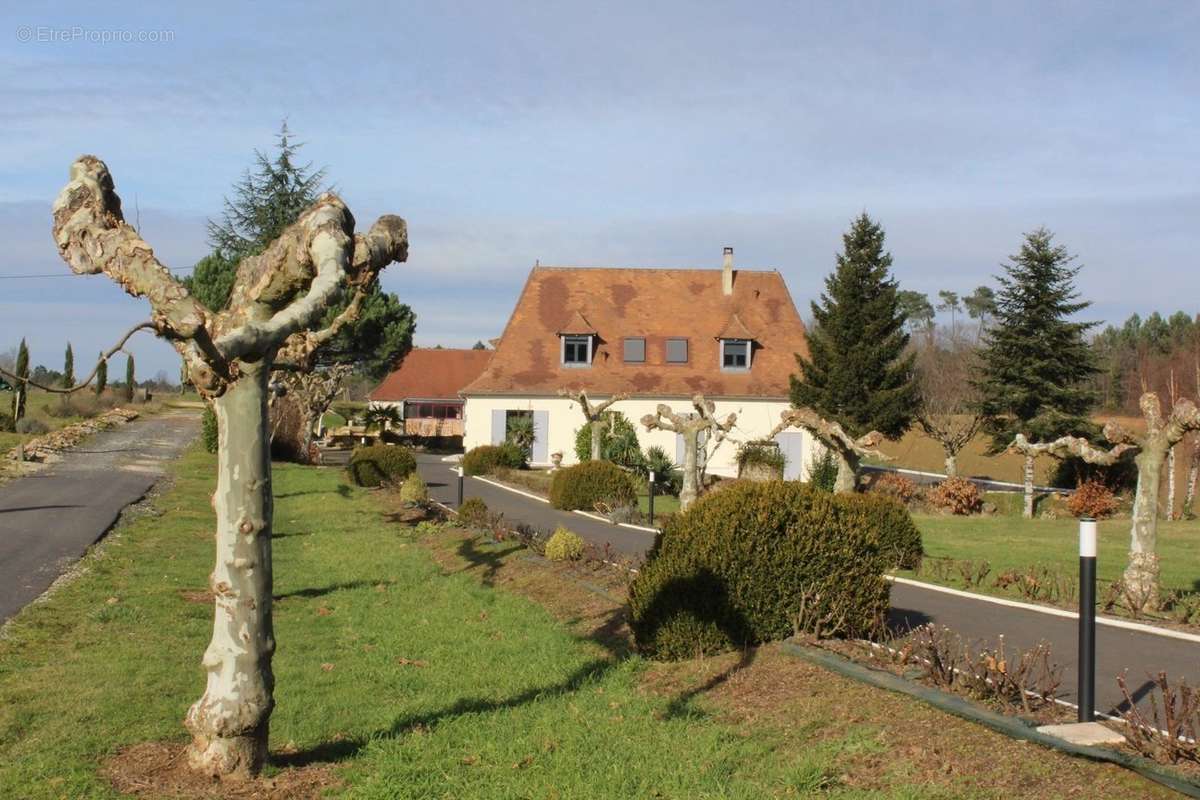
(896, 486)
(208, 429)
(414, 491)
(486, 459)
(473, 513)
(564, 545)
(377, 464)
(619, 442)
(957, 496)
(899, 538)
(823, 472)
(1093, 499)
(746, 564)
(31, 426)
(758, 460)
(584, 485)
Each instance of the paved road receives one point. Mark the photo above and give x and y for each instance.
(1142, 654)
(50, 518)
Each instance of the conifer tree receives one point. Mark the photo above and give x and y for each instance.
(857, 373)
(101, 375)
(129, 379)
(68, 368)
(21, 387)
(1036, 362)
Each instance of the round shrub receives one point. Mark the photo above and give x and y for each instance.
(899, 537)
(1093, 499)
(957, 496)
(31, 426)
(896, 486)
(584, 485)
(414, 491)
(486, 459)
(564, 545)
(377, 464)
(473, 513)
(737, 568)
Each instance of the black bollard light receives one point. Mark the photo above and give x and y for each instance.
(460, 487)
(1087, 620)
(651, 498)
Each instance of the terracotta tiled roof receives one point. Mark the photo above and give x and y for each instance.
(655, 304)
(431, 374)
(735, 329)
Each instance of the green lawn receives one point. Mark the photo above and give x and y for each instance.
(1011, 542)
(420, 680)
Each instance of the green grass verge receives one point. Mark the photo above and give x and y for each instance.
(509, 704)
(1011, 542)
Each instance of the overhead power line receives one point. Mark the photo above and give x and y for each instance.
(67, 274)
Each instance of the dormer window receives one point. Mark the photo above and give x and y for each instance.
(576, 350)
(735, 355)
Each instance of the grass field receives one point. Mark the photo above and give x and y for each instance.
(1010, 542)
(423, 668)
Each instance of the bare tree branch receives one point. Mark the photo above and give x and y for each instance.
(1069, 446)
(830, 433)
(112, 351)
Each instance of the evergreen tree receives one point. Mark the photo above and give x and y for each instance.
(68, 368)
(21, 387)
(479, 345)
(129, 379)
(1035, 362)
(857, 373)
(101, 375)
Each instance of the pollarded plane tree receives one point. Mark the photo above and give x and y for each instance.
(848, 449)
(1162, 433)
(596, 419)
(310, 392)
(689, 426)
(948, 411)
(279, 295)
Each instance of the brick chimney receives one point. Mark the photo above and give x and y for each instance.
(727, 273)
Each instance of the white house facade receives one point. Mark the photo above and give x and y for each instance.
(654, 335)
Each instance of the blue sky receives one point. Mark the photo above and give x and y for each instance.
(621, 134)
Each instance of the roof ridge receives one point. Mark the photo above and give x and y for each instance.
(563, 267)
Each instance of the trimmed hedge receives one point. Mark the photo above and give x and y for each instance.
(735, 568)
(486, 459)
(899, 538)
(584, 485)
(378, 464)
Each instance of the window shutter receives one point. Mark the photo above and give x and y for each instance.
(499, 425)
(541, 437)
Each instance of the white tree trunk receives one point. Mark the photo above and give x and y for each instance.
(229, 723)
(1171, 483)
(690, 489)
(1028, 487)
(597, 431)
(847, 474)
(952, 465)
(1141, 574)
(1189, 499)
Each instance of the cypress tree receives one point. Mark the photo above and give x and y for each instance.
(21, 389)
(857, 373)
(69, 368)
(101, 375)
(129, 379)
(1035, 364)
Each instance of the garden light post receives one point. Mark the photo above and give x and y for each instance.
(1087, 619)
(460, 486)
(651, 498)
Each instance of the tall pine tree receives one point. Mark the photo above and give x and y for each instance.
(21, 386)
(130, 381)
(68, 368)
(1036, 362)
(857, 373)
(101, 375)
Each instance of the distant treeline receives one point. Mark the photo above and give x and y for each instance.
(1158, 354)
